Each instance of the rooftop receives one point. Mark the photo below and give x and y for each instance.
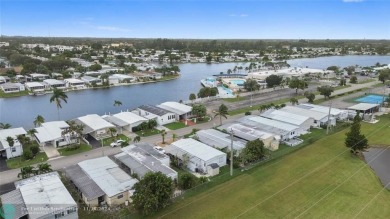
(305, 112)
(318, 108)
(73, 80)
(219, 139)
(248, 133)
(154, 110)
(129, 117)
(286, 117)
(176, 107)
(34, 84)
(363, 106)
(94, 122)
(50, 131)
(54, 82)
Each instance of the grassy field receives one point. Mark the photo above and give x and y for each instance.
(82, 148)
(19, 162)
(175, 125)
(321, 180)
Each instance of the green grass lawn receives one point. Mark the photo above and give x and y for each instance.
(321, 180)
(256, 106)
(108, 141)
(66, 152)
(17, 94)
(148, 132)
(202, 120)
(19, 162)
(367, 81)
(233, 100)
(175, 125)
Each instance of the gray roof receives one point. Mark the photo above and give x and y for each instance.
(15, 198)
(219, 139)
(214, 166)
(154, 110)
(86, 129)
(11, 85)
(116, 121)
(83, 182)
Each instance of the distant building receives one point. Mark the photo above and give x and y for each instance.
(35, 87)
(12, 87)
(91, 80)
(74, 83)
(53, 83)
(39, 77)
(41, 196)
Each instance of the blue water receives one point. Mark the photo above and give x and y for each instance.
(238, 82)
(229, 91)
(372, 98)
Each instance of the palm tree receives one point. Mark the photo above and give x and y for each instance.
(112, 130)
(5, 125)
(11, 143)
(222, 112)
(174, 136)
(163, 133)
(31, 132)
(117, 103)
(137, 139)
(39, 120)
(293, 101)
(44, 168)
(25, 172)
(57, 97)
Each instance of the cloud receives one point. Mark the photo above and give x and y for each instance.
(244, 15)
(349, 1)
(112, 28)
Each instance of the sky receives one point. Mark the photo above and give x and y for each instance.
(197, 19)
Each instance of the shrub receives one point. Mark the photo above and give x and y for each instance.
(187, 181)
(203, 179)
(72, 147)
(248, 113)
(27, 155)
(34, 149)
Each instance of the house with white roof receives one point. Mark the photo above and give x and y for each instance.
(120, 78)
(126, 120)
(220, 140)
(41, 196)
(197, 156)
(89, 80)
(54, 83)
(12, 87)
(39, 77)
(303, 122)
(95, 126)
(141, 158)
(7, 150)
(101, 181)
(162, 116)
(35, 87)
(74, 83)
(181, 111)
(320, 118)
(52, 133)
(334, 112)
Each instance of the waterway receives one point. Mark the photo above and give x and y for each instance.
(21, 111)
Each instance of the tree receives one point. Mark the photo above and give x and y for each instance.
(186, 181)
(174, 136)
(192, 96)
(310, 96)
(117, 103)
(163, 133)
(253, 151)
(262, 108)
(343, 82)
(356, 141)
(26, 172)
(333, 68)
(325, 90)
(294, 101)
(384, 75)
(34, 149)
(39, 120)
(112, 131)
(44, 168)
(152, 123)
(95, 67)
(137, 139)
(57, 97)
(5, 125)
(222, 112)
(11, 143)
(251, 85)
(273, 80)
(152, 193)
(199, 110)
(353, 79)
(296, 84)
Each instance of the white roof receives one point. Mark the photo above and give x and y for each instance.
(286, 117)
(305, 112)
(273, 123)
(108, 176)
(13, 132)
(50, 131)
(73, 80)
(129, 117)
(89, 78)
(176, 107)
(44, 194)
(38, 75)
(197, 149)
(121, 76)
(248, 133)
(219, 140)
(363, 106)
(53, 81)
(322, 109)
(34, 84)
(95, 122)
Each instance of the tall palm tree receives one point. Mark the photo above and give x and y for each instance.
(163, 133)
(39, 120)
(57, 97)
(293, 101)
(222, 112)
(11, 143)
(174, 136)
(5, 125)
(117, 103)
(137, 139)
(112, 130)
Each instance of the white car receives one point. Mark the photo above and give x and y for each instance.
(159, 149)
(117, 143)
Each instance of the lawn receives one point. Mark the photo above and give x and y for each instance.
(321, 180)
(108, 141)
(202, 120)
(256, 106)
(66, 152)
(149, 132)
(232, 100)
(19, 162)
(17, 94)
(175, 125)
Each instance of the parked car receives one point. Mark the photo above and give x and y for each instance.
(117, 143)
(159, 149)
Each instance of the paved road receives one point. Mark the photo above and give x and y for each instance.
(61, 162)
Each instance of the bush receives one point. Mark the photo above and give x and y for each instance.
(187, 181)
(203, 179)
(27, 155)
(34, 149)
(248, 113)
(72, 147)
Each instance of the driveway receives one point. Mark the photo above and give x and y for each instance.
(3, 164)
(51, 151)
(93, 142)
(7, 188)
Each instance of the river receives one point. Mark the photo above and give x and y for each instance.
(21, 111)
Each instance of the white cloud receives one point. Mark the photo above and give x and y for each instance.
(244, 15)
(348, 1)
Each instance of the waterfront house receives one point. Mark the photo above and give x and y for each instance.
(141, 158)
(54, 83)
(120, 78)
(11, 151)
(197, 156)
(128, 120)
(4, 79)
(161, 115)
(74, 83)
(220, 140)
(52, 133)
(100, 181)
(41, 196)
(95, 126)
(181, 111)
(12, 87)
(35, 87)
(38, 76)
(91, 80)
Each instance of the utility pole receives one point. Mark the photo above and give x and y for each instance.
(231, 152)
(102, 147)
(328, 125)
